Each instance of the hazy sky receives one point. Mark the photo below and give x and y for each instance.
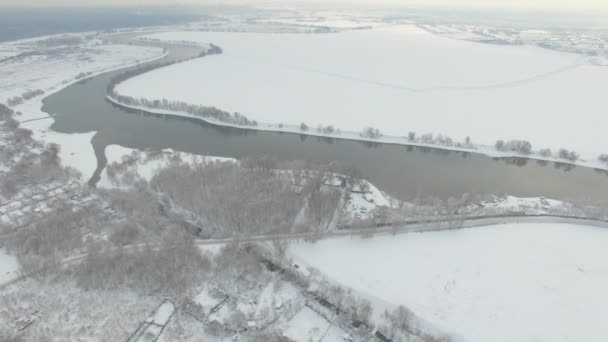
(525, 4)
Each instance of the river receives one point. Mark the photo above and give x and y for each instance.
(404, 171)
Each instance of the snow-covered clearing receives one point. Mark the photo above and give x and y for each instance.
(9, 266)
(154, 325)
(51, 66)
(361, 203)
(162, 314)
(396, 78)
(76, 149)
(530, 206)
(144, 165)
(306, 325)
(208, 300)
(515, 282)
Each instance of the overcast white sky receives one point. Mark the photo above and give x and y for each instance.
(525, 4)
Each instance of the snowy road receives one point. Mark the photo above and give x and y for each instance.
(403, 229)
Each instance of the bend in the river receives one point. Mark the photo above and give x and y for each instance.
(405, 171)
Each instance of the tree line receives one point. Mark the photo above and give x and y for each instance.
(178, 106)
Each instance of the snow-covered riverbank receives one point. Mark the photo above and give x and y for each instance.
(488, 150)
(280, 81)
(80, 56)
(143, 165)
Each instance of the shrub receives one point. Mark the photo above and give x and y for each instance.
(14, 101)
(427, 138)
(545, 152)
(371, 133)
(30, 94)
(444, 140)
(568, 155)
(328, 130)
(520, 146)
(5, 111)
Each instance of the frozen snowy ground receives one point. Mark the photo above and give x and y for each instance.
(333, 22)
(398, 79)
(580, 40)
(51, 69)
(518, 282)
(9, 266)
(7, 52)
(65, 312)
(154, 325)
(306, 325)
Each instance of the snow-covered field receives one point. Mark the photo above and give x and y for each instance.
(517, 282)
(396, 78)
(51, 68)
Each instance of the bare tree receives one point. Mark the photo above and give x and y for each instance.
(371, 133)
(279, 247)
(230, 199)
(568, 155)
(427, 138)
(321, 204)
